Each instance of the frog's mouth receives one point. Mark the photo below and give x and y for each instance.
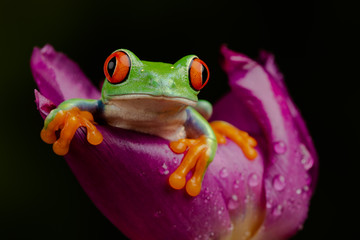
(152, 98)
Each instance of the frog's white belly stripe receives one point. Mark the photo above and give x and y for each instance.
(151, 115)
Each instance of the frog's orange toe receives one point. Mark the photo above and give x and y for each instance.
(68, 121)
(197, 157)
(242, 139)
(193, 187)
(94, 137)
(250, 153)
(252, 142)
(177, 181)
(48, 136)
(61, 148)
(178, 146)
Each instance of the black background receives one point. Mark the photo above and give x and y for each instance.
(315, 46)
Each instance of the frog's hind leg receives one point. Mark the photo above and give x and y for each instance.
(242, 139)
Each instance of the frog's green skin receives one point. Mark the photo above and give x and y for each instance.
(156, 99)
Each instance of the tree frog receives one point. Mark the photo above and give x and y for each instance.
(154, 98)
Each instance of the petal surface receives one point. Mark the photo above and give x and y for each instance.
(126, 176)
(58, 77)
(290, 167)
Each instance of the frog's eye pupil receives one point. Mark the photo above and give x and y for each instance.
(198, 74)
(111, 66)
(117, 67)
(204, 74)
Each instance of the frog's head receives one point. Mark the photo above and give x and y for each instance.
(128, 77)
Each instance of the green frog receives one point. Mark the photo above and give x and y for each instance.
(154, 98)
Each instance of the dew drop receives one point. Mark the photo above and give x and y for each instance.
(233, 202)
(236, 58)
(234, 197)
(279, 182)
(279, 147)
(268, 205)
(158, 214)
(223, 173)
(277, 211)
(221, 211)
(306, 159)
(164, 169)
(247, 199)
(231, 227)
(306, 188)
(298, 191)
(253, 180)
(236, 184)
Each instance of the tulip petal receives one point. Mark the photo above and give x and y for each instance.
(291, 163)
(126, 176)
(58, 77)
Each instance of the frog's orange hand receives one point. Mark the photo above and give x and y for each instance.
(242, 139)
(68, 121)
(198, 156)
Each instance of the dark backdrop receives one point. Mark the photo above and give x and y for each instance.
(315, 47)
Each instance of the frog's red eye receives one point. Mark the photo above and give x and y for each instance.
(198, 74)
(117, 67)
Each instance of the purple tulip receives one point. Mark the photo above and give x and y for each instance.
(126, 176)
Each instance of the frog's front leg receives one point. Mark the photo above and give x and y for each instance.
(68, 117)
(200, 148)
(242, 139)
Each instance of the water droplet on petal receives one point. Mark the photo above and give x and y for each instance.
(233, 202)
(298, 191)
(268, 205)
(277, 211)
(164, 169)
(223, 173)
(236, 184)
(253, 180)
(234, 197)
(306, 159)
(279, 182)
(306, 188)
(158, 214)
(279, 147)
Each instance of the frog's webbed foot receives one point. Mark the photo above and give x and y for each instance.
(242, 139)
(68, 121)
(198, 156)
